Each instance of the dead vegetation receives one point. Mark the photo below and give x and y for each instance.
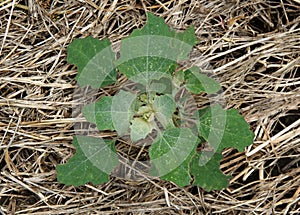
(252, 46)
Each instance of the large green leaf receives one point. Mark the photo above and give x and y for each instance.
(151, 52)
(93, 161)
(208, 174)
(170, 154)
(94, 60)
(224, 128)
(181, 175)
(99, 113)
(197, 82)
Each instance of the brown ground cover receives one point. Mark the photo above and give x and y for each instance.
(253, 47)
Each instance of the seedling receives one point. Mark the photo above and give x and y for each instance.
(157, 104)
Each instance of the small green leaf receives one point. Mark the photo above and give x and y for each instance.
(224, 128)
(140, 128)
(151, 53)
(197, 82)
(94, 60)
(178, 78)
(93, 161)
(208, 175)
(161, 86)
(169, 153)
(164, 106)
(122, 110)
(99, 113)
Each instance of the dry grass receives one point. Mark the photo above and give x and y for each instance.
(254, 48)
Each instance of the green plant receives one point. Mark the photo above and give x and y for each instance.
(157, 106)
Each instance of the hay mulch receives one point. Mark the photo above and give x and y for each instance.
(254, 48)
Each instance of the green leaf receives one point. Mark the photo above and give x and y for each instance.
(93, 161)
(151, 52)
(161, 86)
(170, 154)
(181, 175)
(94, 60)
(224, 128)
(142, 71)
(99, 113)
(178, 78)
(140, 128)
(164, 106)
(122, 110)
(197, 82)
(208, 174)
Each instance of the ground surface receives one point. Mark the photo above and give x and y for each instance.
(254, 48)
